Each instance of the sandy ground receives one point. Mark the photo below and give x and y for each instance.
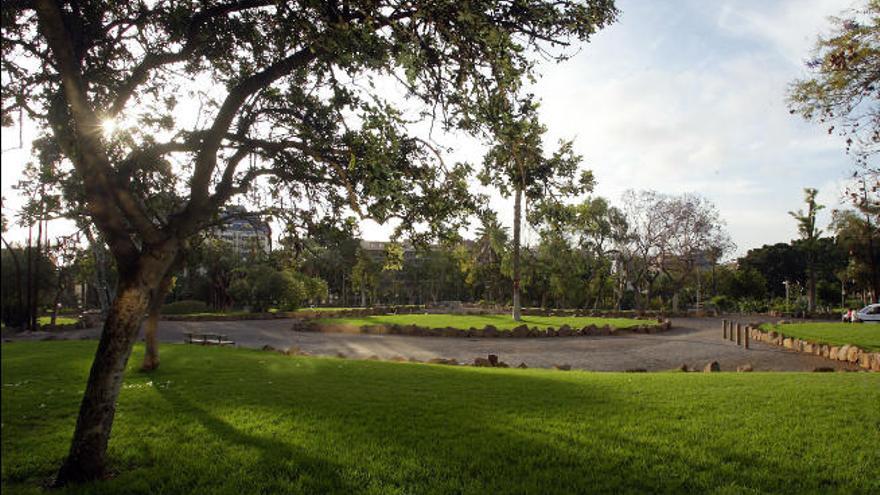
(692, 341)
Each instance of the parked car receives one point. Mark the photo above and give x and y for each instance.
(870, 313)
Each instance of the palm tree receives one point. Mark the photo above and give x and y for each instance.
(810, 234)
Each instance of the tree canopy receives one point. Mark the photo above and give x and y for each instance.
(842, 90)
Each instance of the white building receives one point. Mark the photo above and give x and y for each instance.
(245, 232)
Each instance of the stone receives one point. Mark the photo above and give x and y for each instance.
(683, 367)
(450, 332)
(520, 332)
(787, 343)
(865, 360)
(562, 367)
(552, 332)
(399, 359)
(522, 366)
(636, 370)
(340, 355)
(832, 353)
(476, 333)
(451, 361)
(843, 352)
(875, 361)
(808, 347)
(783, 322)
(490, 331)
(822, 369)
(502, 364)
(564, 331)
(825, 350)
(745, 368)
(414, 360)
(292, 351)
(482, 362)
(712, 367)
(373, 358)
(269, 348)
(852, 355)
(493, 359)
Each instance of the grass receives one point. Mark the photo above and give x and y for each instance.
(864, 335)
(502, 322)
(59, 320)
(234, 421)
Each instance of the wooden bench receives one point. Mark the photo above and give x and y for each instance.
(207, 339)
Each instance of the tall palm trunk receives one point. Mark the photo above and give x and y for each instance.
(517, 214)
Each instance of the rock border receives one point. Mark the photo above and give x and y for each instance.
(298, 314)
(489, 331)
(845, 353)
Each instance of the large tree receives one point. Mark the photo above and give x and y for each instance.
(286, 94)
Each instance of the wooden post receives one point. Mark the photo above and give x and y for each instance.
(724, 329)
(738, 334)
(746, 336)
(730, 332)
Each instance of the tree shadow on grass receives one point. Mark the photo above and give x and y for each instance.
(446, 429)
(291, 465)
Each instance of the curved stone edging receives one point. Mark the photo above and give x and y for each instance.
(845, 353)
(488, 331)
(300, 314)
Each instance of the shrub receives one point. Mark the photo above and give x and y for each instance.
(724, 303)
(184, 307)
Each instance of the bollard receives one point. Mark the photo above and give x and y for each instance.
(738, 334)
(724, 329)
(746, 336)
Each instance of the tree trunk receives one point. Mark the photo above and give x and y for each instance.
(151, 337)
(811, 284)
(86, 460)
(517, 214)
(100, 272)
(30, 277)
(35, 302)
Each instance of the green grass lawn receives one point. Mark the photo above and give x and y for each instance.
(60, 320)
(502, 322)
(864, 335)
(214, 420)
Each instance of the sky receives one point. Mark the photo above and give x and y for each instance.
(677, 96)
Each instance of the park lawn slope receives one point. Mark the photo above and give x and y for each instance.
(234, 421)
(501, 322)
(863, 335)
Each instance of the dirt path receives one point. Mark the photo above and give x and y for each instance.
(693, 341)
